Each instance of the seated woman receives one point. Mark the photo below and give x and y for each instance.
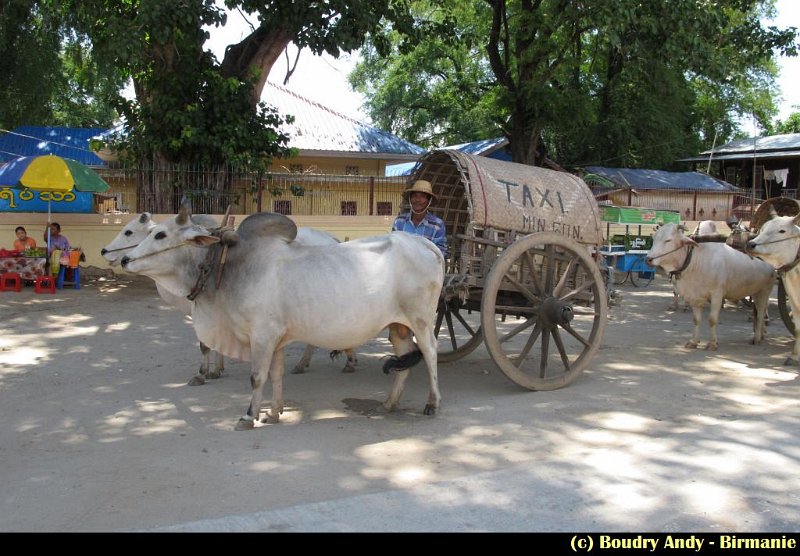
(57, 248)
(23, 242)
(57, 241)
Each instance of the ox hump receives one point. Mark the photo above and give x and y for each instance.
(267, 225)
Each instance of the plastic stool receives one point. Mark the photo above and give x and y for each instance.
(76, 277)
(44, 284)
(10, 282)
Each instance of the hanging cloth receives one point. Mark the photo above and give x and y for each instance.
(782, 176)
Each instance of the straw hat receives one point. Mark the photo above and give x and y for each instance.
(422, 186)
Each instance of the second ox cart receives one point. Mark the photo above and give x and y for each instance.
(521, 278)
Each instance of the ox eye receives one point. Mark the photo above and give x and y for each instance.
(782, 231)
(128, 232)
(161, 235)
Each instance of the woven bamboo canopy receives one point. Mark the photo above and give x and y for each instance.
(784, 206)
(475, 191)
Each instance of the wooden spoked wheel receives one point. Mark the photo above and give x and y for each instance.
(458, 330)
(784, 307)
(543, 311)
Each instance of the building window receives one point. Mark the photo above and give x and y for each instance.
(352, 171)
(282, 207)
(296, 168)
(349, 208)
(384, 208)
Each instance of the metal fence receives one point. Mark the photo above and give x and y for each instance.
(160, 190)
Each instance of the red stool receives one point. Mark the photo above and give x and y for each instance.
(44, 284)
(10, 282)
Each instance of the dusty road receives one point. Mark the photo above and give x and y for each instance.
(101, 433)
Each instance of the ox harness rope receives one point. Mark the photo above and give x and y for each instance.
(788, 266)
(215, 260)
(677, 273)
(122, 248)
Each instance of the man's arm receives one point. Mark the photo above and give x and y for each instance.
(440, 240)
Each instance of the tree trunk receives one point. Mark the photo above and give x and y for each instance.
(525, 140)
(257, 51)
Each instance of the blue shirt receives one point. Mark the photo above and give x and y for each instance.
(431, 227)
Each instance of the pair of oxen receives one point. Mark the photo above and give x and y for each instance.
(281, 284)
(711, 272)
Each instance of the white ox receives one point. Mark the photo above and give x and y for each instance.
(703, 228)
(710, 273)
(275, 291)
(134, 232)
(778, 243)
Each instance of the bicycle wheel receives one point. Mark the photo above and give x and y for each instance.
(620, 276)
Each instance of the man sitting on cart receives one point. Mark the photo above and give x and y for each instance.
(421, 222)
(418, 220)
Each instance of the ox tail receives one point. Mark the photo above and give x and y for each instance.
(406, 361)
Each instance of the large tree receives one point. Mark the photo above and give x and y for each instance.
(49, 75)
(627, 82)
(189, 107)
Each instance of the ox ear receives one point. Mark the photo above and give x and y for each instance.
(199, 238)
(144, 218)
(796, 220)
(184, 214)
(689, 241)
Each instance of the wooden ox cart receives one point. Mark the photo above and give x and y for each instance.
(521, 277)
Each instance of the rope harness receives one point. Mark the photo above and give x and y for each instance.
(122, 248)
(677, 273)
(215, 260)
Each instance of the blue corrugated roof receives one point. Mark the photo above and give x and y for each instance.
(68, 142)
(661, 179)
(319, 128)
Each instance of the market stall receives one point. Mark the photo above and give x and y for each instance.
(28, 265)
(625, 252)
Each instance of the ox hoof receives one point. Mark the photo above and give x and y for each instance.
(349, 369)
(244, 425)
(790, 362)
(712, 346)
(215, 374)
(690, 344)
(271, 419)
(430, 409)
(298, 370)
(384, 408)
(197, 380)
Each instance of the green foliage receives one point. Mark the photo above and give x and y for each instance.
(192, 108)
(791, 125)
(625, 83)
(50, 76)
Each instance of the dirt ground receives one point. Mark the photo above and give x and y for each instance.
(102, 433)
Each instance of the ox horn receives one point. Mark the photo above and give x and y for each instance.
(772, 212)
(226, 216)
(184, 213)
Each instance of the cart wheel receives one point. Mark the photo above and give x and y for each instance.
(784, 307)
(642, 279)
(554, 288)
(620, 276)
(458, 332)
